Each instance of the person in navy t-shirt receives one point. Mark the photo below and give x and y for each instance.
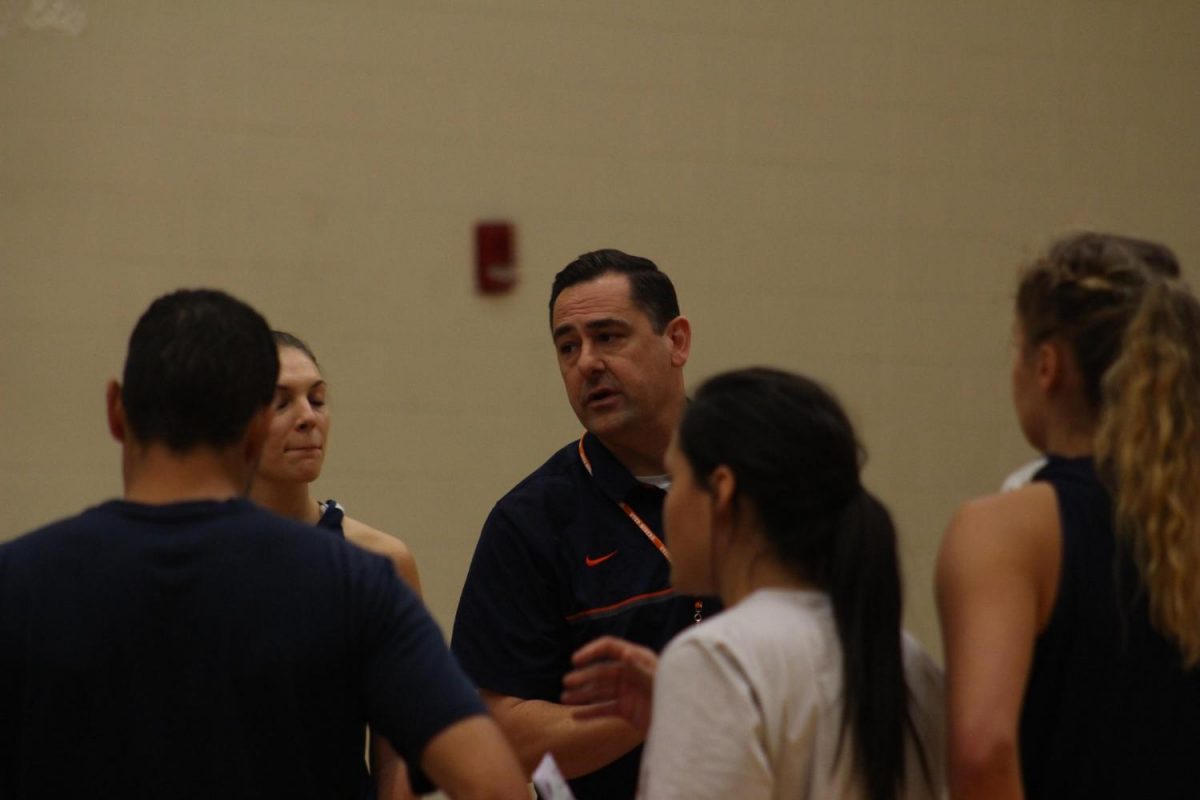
(183, 642)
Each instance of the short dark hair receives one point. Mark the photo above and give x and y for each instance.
(649, 287)
(201, 363)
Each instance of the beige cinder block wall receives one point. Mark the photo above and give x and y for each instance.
(844, 189)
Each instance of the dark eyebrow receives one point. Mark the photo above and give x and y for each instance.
(594, 325)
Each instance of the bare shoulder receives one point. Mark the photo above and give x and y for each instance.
(380, 543)
(1012, 536)
(1015, 516)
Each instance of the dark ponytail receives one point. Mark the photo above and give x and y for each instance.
(863, 579)
(796, 459)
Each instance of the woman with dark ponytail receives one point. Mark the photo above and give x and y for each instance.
(805, 686)
(1071, 607)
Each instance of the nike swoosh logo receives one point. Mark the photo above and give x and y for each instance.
(591, 562)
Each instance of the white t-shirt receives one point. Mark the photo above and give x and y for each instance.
(748, 705)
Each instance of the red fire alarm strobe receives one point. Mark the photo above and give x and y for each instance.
(495, 257)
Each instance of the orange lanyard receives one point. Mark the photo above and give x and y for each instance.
(641, 523)
(629, 512)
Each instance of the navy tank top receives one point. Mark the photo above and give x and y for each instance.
(332, 515)
(1109, 710)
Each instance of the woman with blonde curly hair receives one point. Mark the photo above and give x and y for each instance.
(1070, 607)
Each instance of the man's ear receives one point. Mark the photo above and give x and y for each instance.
(679, 336)
(116, 411)
(256, 433)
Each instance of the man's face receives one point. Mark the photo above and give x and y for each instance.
(619, 374)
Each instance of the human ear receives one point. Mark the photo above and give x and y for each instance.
(722, 485)
(1050, 365)
(115, 410)
(256, 433)
(679, 335)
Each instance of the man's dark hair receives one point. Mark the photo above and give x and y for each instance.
(201, 363)
(649, 288)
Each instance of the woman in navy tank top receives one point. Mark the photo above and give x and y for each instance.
(1070, 607)
(292, 459)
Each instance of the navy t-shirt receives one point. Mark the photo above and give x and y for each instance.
(209, 649)
(558, 564)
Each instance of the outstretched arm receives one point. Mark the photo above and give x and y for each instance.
(612, 678)
(996, 582)
(616, 679)
(580, 746)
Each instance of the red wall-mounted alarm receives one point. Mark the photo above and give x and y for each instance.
(495, 257)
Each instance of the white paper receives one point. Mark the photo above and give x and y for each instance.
(549, 781)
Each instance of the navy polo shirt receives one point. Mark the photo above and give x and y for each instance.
(558, 564)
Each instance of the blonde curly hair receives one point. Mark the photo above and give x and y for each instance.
(1148, 443)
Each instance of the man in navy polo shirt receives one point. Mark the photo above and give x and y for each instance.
(576, 550)
(183, 642)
